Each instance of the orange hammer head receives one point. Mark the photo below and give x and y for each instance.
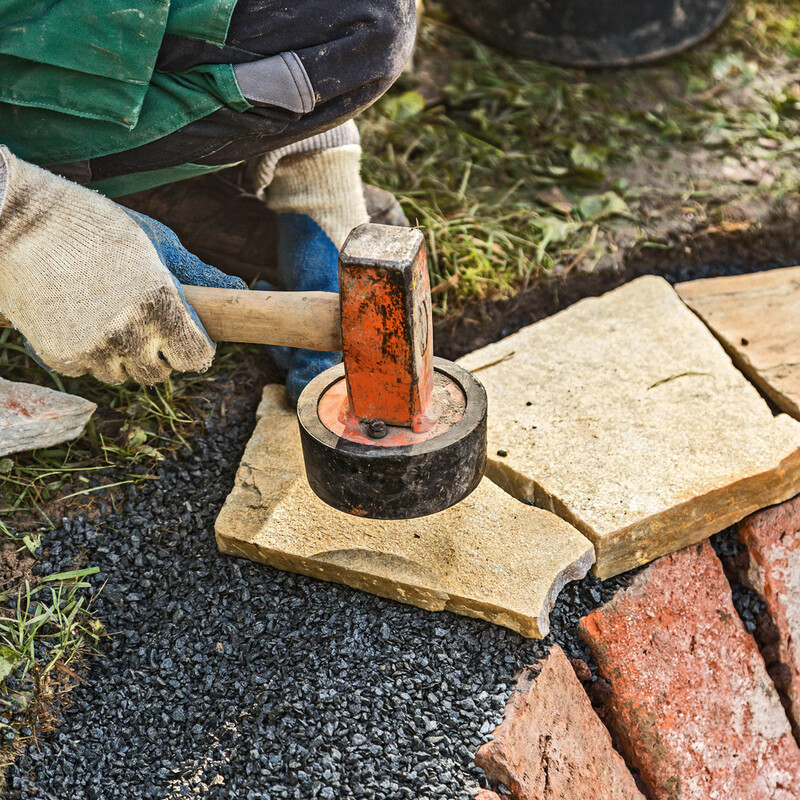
(387, 336)
(392, 432)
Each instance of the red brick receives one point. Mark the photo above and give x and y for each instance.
(551, 745)
(485, 794)
(772, 537)
(692, 705)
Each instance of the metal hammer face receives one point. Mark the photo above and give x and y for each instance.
(387, 328)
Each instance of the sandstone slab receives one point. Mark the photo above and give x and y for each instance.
(691, 702)
(490, 556)
(551, 744)
(772, 537)
(756, 317)
(33, 416)
(624, 415)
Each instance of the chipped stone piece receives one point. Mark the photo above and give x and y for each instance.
(772, 537)
(691, 702)
(490, 556)
(34, 416)
(624, 415)
(551, 744)
(756, 317)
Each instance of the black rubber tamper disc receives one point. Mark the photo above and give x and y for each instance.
(382, 480)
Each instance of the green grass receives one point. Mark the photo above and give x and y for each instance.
(46, 630)
(46, 625)
(133, 428)
(477, 163)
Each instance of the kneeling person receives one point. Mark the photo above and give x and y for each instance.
(122, 99)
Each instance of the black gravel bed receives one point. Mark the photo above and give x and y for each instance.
(227, 679)
(735, 558)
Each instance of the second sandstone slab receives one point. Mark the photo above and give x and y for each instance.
(490, 556)
(625, 416)
(756, 316)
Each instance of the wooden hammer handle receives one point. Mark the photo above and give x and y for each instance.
(298, 319)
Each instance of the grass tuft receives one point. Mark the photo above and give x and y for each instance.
(46, 630)
(477, 145)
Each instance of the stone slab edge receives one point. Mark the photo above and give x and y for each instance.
(655, 536)
(737, 354)
(62, 417)
(242, 517)
(428, 599)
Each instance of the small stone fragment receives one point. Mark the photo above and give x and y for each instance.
(771, 653)
(772, 538)
(766, 630)
(756, 317)
(582, 671)
(551, 745)
(692, 705)
(34, 416)
(624, 415)
(601, 691)
(489, 556)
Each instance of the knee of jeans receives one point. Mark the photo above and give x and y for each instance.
(391, 41)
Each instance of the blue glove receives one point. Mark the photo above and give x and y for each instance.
(186, 267)
(308, 261)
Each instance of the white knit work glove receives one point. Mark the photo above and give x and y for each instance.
(86, 285)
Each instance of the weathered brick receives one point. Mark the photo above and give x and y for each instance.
(692, 705)
(551, 744)
(772, 537)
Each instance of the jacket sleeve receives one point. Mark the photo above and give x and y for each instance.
(89, 59)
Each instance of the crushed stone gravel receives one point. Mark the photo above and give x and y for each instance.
(227, 679)
(746, 602)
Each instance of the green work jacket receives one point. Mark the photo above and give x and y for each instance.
(78, 78)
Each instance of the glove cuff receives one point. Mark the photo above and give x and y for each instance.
(325, 186)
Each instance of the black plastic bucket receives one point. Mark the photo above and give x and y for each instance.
(591, 33)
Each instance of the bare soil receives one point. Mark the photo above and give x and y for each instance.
(16, 566)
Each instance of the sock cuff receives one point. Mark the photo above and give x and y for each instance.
(263, 171)
(326, 186)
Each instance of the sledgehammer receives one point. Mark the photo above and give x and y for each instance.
(392, 432)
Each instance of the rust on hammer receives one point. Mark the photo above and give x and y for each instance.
(386, 325)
